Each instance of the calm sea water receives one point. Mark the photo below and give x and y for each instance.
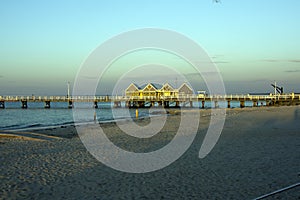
(36, 116)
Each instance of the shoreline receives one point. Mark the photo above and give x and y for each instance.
(35, 126)
(167, 112)
(257, 153)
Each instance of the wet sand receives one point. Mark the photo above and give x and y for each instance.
(258, 152)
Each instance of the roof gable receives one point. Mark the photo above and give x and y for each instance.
(185, 88)
(132, 87)
(149, 87)
(167, 87)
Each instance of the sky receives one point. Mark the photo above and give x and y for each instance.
(44, 43)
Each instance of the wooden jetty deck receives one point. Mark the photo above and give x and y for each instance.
(148, 101)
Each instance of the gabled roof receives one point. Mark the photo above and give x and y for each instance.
(132, 87)
(184, 85)
(156, 86)
(167, 87)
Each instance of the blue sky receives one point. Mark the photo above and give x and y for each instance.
(253, 43)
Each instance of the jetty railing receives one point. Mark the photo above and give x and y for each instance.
(140, 101)
(146, 98)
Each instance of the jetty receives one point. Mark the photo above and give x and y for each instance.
(167, 96)
(164, 101)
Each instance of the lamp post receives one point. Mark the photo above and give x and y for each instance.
(68, 93)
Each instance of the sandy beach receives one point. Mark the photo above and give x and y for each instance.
(258, 152)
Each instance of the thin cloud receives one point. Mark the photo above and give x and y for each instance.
(89, 77)
(1, 76)
(217, 59)
(221, 62)
(215, 62)
(277, 60)
(270, 60)
(217, 56)
(294, 61)
(203, 74)
(292, 71)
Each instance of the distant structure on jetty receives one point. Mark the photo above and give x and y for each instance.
(166, 95)
(158, 91)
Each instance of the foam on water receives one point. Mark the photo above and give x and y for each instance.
(36, 116)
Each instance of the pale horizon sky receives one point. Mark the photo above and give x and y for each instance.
(253, 43)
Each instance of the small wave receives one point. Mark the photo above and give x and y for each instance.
(10, 126)
(33, 125)
(66, 123)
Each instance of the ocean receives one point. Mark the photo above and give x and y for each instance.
(13, 117)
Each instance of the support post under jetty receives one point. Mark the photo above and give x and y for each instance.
(203, 104)
(24, 104)
(216, 104)
(2, 104)
(70, 104)
(228, 104)
(242, 104)
(95, 104)
(47, 104)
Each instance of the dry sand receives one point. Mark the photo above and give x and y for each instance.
(257, 153)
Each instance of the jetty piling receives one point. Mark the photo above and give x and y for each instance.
(47, 104)
(242, 104)
(136, 113)
(95, 104)
(70, 104)
(2, 104)
(24, 104)
(216, 104)
(203, 104)
(255, 103)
